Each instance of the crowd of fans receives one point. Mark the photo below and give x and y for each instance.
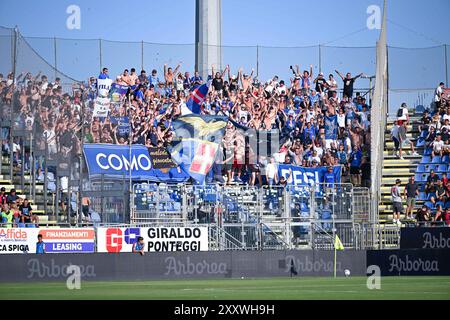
(434, 137)
(296, 108)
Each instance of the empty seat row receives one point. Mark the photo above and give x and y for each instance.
(436, 159)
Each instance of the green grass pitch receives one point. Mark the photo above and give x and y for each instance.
(253, 289)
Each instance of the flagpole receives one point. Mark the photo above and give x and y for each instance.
(335, 253)
(130, 137)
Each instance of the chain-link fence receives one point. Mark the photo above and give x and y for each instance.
(413, 72)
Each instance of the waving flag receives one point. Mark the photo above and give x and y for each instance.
(197, 97)
(197, 143)
(331, 127)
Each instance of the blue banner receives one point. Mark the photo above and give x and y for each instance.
(303, 176)
(123, 125)
(80, 247)
(114, 161)
(195, 148)
(331, 127)
(117, 92)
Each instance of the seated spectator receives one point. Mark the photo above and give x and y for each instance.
(423, 216)
(432, 180)
(12, 197)
(26, 213)
(440, 194)
(438, 218)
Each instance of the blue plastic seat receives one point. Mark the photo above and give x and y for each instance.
(422, 196)
(430, 167)
(420, 142)
(430, 195)
(421, 168)
(426, 159)
(423, 134)
(440, 203)
(427, 152)
(442, 168)
(436, 159)
(421, 177)
(429, 204)
(446, 159)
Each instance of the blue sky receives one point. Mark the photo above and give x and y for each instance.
(245, 22)
(284, 23)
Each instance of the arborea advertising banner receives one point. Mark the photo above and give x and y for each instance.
(159, 239)
(56, 240)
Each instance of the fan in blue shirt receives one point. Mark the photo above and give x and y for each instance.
(40, 245)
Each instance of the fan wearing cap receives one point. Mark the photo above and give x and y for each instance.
(396, 201)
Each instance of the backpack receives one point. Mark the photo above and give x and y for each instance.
(400, 113)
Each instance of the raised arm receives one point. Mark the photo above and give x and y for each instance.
(240, 76)
(177, 68)
(225, 70)
(340, 75)
(359, 75)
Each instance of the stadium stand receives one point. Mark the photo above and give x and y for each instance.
(429, 131)
(298, 112)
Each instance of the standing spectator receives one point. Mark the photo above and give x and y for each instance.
(332, 87)
(272, 172)
(404, 140)
(396, 202)
(40, 245)
(348, 83)
(355, 166)
(153, 78)
(403, 114)
(329, 180)
(395, 137)
(437, 95)
(104, 74)
(3, 196)
(409, 193)
(365, 172)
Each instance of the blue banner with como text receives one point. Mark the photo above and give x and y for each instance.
(118, 161)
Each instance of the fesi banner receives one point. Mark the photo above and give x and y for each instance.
(304, 176)
(159, 239)
(114, 161)
(63, 240)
